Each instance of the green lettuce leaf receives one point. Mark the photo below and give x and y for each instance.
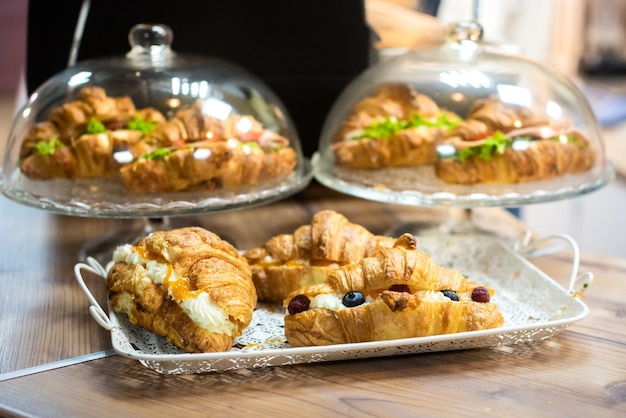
(48, 147)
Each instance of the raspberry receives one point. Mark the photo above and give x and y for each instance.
(480, 294)
(298, 304)
(400, 288)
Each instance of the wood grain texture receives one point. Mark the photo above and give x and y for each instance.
(44, 318)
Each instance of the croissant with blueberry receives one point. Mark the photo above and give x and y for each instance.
(187, 285)
(399, 292)
(394, 127)
(289, 261)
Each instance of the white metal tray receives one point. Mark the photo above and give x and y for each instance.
(534, 305)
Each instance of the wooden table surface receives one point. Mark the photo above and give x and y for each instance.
(56, 361)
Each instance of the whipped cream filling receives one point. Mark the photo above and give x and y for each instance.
(333, 300)
(196, 304)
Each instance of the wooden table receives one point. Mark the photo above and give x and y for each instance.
(56, 361)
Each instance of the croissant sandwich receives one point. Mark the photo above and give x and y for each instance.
(399, 292)
(395, 127)
(186, 285)
(289, 261)
(500, 143)
(85, 138)
(97, 136)
(205, 166)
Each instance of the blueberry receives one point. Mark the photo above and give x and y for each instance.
(298, 304)
(450, 294)
(352, 299)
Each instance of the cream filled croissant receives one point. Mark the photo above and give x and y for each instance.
(289, 261)
(186, 285)
(400, 292)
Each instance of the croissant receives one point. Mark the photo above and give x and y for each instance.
(71, 118)
(395, 127)
(206, 166)
(61, 147)
(100, 136)
(186, 285)
(397, 101)
(407, 148)
(500, 143)
(42, 131)
(397, 293)
(60, 164)
(289, 261)
(499, 116)
(190, 125)
(88, 156)
(541, 160)
(187, 124)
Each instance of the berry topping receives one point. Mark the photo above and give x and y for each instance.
(450, 294)
(352, 299)
(400, 288)
(298, 304)
(480, 294)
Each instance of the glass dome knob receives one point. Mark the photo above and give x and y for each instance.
(150, 41)
(467, 31)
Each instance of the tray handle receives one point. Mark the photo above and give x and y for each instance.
(95, 309)
(529, 248)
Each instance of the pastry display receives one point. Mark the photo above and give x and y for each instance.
(288, 261)
(99, 136)
(399, 292)
(187, 285)
(395, 127)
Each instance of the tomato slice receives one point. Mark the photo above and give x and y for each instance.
(178, 143)
(481, 136)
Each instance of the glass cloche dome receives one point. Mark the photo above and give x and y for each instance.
(152, 133)
(463, 125)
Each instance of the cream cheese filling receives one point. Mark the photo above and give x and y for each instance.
(196, 304)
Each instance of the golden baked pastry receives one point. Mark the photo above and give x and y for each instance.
(395, 127)
(501, 143)
(100, 136)
(289, 261)
(85, 138)
(193, 151)
(399, 292)
(186, 285)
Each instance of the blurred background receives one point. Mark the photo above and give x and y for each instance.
(583, 39)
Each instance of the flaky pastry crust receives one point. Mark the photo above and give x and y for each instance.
(100, 136)
(405, 148)
(289, 261)
(210, 265)
(391, 314)
(544, 157)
